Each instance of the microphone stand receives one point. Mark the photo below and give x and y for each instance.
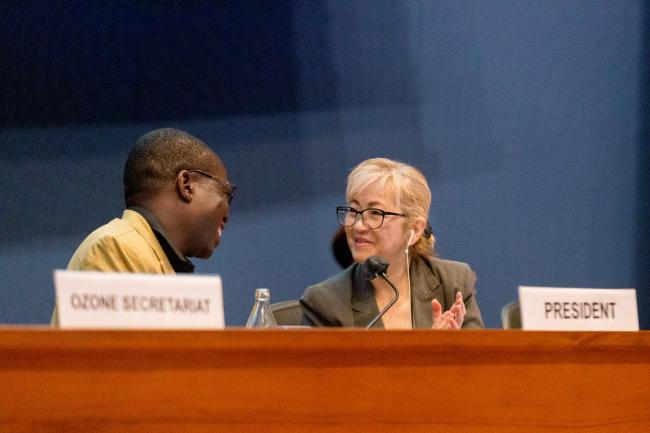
(390, 304)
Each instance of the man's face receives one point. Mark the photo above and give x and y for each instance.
(209, 211)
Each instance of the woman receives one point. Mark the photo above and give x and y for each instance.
(386, 215)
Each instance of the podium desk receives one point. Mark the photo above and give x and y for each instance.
(319, 380)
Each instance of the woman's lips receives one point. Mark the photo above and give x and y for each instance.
(360, 242)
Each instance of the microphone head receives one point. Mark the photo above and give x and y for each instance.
(374, 266)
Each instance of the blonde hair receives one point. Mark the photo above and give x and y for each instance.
(412, 194)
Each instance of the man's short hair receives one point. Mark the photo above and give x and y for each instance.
(156, 159)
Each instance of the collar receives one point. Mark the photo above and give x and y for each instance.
(179, 262)
(425, 286)
(364, 304)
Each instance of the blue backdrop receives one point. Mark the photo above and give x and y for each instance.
(530, 120)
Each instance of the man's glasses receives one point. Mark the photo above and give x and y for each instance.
(230, 193)
(371, 217)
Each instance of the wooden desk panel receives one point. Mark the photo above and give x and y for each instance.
(323, 381)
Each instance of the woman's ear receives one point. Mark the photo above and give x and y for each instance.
(184, 185)
(417, 230)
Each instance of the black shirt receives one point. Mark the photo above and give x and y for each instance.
(179, 262)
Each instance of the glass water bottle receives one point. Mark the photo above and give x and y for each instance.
(261, 316)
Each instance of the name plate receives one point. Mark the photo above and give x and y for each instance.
(106, 300)
(569, 309)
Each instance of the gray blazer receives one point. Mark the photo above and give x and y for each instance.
(347, 299)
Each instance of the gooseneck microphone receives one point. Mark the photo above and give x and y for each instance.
(376, 266)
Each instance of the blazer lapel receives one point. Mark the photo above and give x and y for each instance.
(364, 305)
(425, 287)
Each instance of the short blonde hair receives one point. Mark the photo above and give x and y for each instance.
(412, 194)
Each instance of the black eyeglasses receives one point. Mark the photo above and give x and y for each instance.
(370, 217)
(231, 188)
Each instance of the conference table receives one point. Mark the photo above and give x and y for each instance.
(322, 380)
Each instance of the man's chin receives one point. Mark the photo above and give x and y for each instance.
(205, 254)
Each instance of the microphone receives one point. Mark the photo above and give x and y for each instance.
(373, 267)
(376, 266)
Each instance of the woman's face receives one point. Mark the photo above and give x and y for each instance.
(389, 240)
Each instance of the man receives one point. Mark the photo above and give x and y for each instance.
(177, 196)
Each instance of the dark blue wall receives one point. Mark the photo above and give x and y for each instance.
(530, 120)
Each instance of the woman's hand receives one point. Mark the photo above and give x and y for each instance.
(450, 319)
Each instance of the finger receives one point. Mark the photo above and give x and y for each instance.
(450, 321)
(458, 315)
(460, 318)
(459, 301)
(443, 322)
(440, 320)
(437, 310)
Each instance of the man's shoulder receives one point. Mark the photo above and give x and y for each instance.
(113, 231)
(115, 242)
(116, 227)
(131, 224)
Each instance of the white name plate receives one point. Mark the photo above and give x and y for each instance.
(106, 300)
(569, 309)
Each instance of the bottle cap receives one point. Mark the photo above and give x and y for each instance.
(262, 294)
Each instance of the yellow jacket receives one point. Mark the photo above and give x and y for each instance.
(123, 245)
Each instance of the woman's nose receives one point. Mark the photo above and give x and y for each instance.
(358, 224)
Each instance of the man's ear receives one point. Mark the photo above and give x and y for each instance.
(184, 185)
